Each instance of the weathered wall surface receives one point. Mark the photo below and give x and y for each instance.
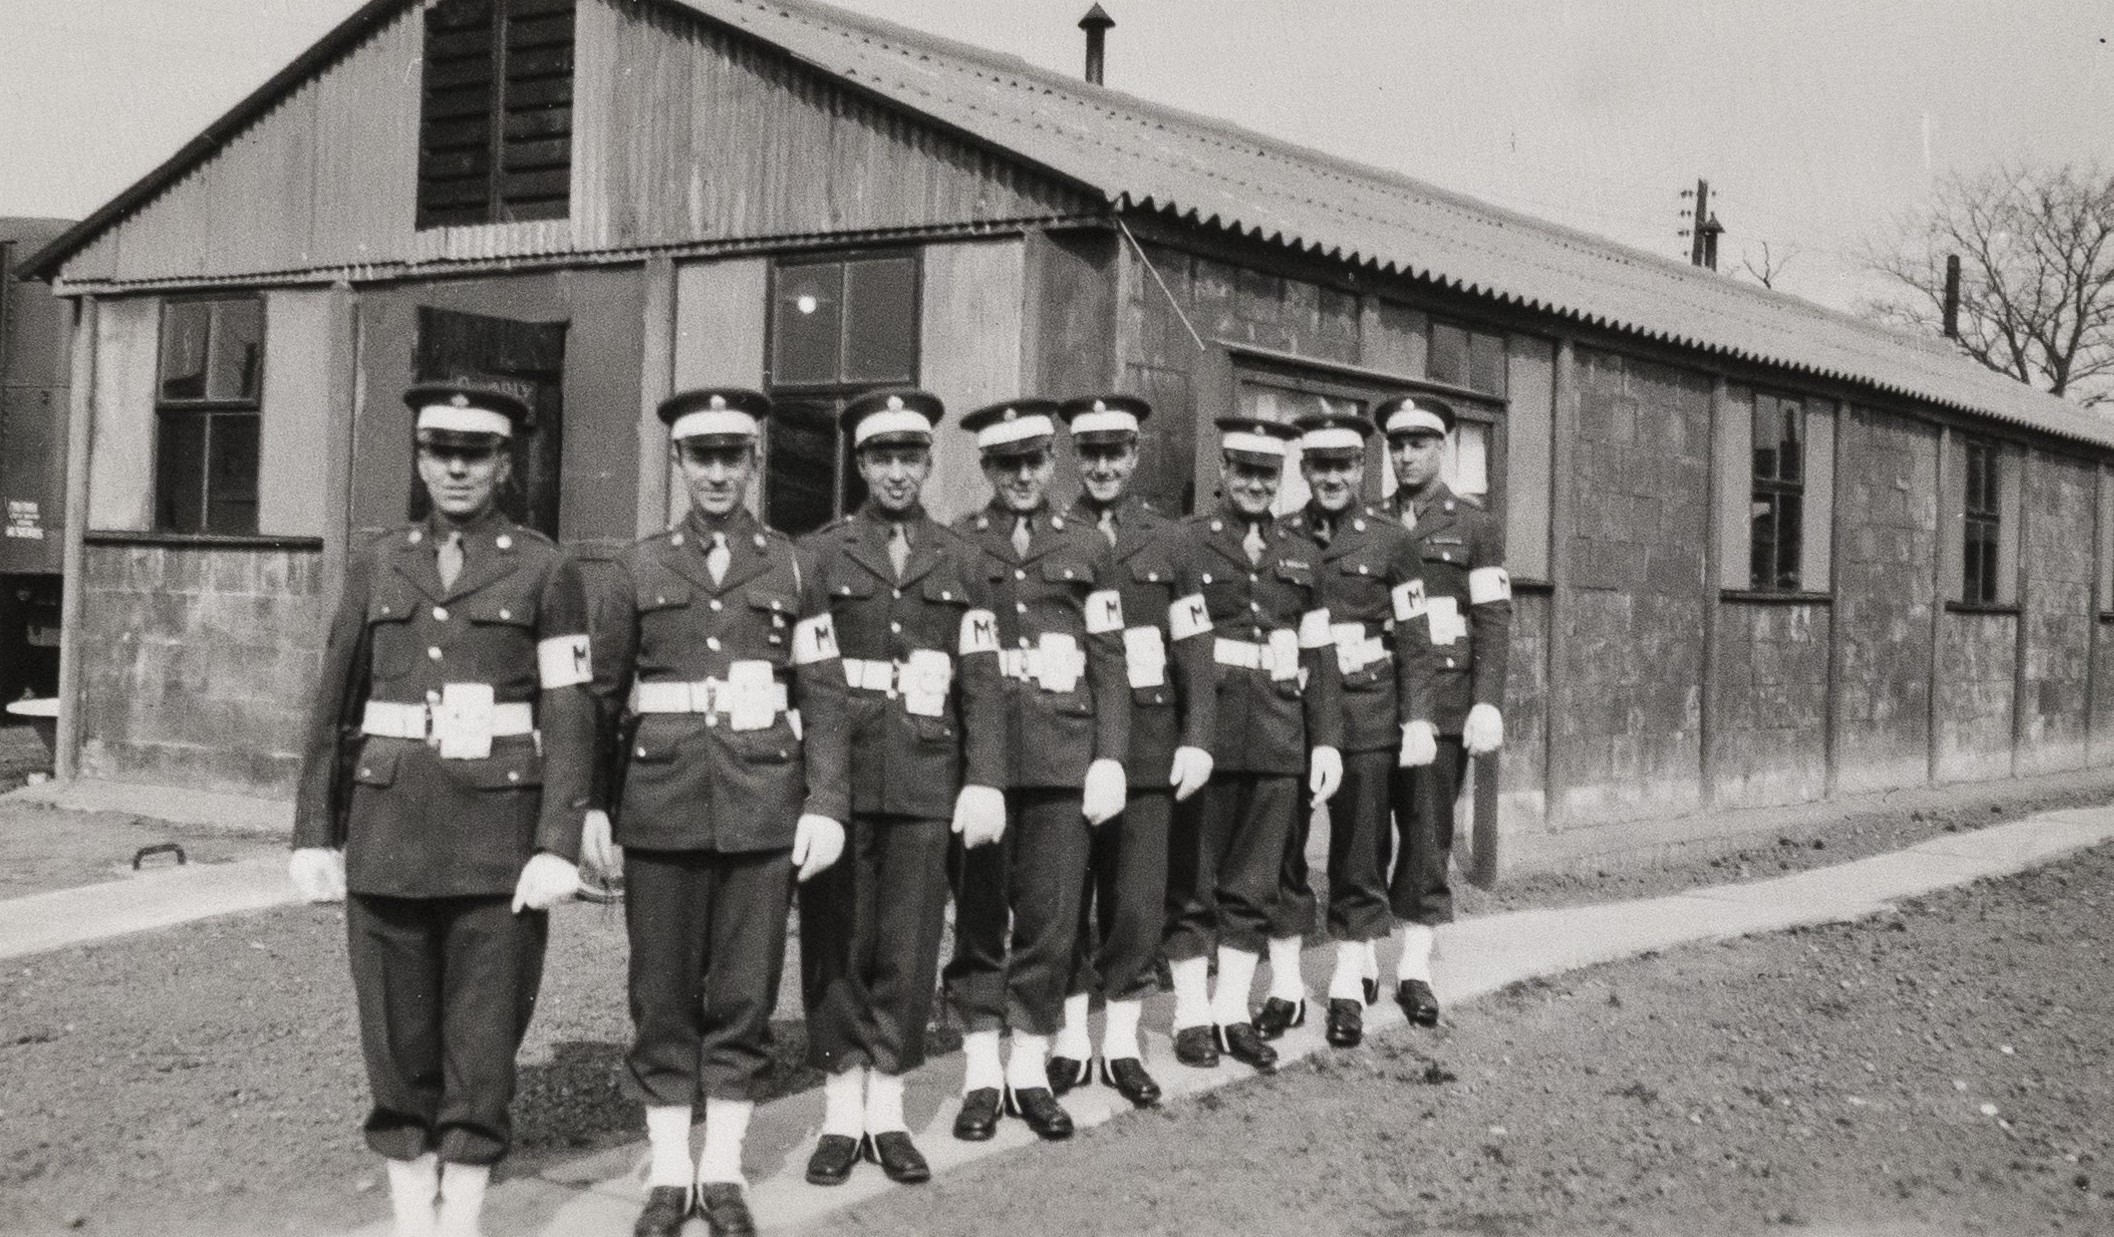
(197, 664)
(2057, 611)
(1883, 600)
(1977, 654)
(1769, 732)
(1522, 784)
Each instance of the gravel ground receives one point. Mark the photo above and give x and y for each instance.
(21, 754)
(1943, 1070)
(44, 848)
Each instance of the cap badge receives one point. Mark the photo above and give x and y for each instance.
(1009, 415)
(459, 400)
(719, 403)
(895, 403)
(1099, 406)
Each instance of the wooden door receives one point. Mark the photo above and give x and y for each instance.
(526, 358)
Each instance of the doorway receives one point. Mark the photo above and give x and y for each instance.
(526, 359)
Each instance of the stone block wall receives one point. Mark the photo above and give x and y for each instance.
(1523, 780)
(1769, 732)
(198, 664)
(1882, 611)
(2056, 608)
(1977, 654)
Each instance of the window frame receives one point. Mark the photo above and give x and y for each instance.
(1981, 528)
(210, 411)
(839, 390)
(497, 207)
(1778, 491)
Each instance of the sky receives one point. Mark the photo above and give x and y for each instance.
(1819, 123)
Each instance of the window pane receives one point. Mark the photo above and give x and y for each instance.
(1765, 438)
(1761, 540)
(800, 470)
(184, 329)
(1486, 362)
(238, 350)
(1449, 355)
(806, 321)
(1790, 519)
(1466, 468)
(231, 473)
(179, 467)
(881, 326)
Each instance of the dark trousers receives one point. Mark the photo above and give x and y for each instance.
(1227, 857)
(1033, 875)
(870, 945)
(1358, 844)
(707, 945)
(445, 988)
(1124, 909)
(1424, 800)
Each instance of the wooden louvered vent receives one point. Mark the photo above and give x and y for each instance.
(496, 123)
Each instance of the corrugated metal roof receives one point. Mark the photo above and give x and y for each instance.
(1218, 174)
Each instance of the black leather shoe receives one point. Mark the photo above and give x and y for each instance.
(1066, 1073)
(1244, 1044)
(725, 1209)
(831, 1163)
(1419, 1004)
(1372, 990)
(898, 1157)
(1279, 1015)
(1127, 1075)
(1197, 1047)
(1346, 1023)
(1042, 1112)
(978, 1119)
(667, 1206)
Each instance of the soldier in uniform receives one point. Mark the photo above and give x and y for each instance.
(1466, 618)
(446, 772)
(1123, 909)
(1278, 715)
(1368, 577)
(1050, 582)
(927, 719)
(733, 782)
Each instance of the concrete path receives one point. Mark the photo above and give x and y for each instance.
(157, 899)
(600, 1194)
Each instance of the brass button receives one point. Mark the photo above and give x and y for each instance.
(1020, 575)
(504, 542)
(440, 614)
(1020, 607)
(712, 642)
(434, 652)
(898, 594)
(717, 604)
(505, 613)
(432, 697)
(896, 628)
(513, 775)
(641, 751)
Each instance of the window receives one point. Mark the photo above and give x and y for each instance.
(1464, 357)
(1982, 523)
(840, 327)
(1777, 509)
(206, 422)
(1285, 397)
(496, 121)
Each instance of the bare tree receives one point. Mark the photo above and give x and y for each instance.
(2036, 249)
(1772, 264)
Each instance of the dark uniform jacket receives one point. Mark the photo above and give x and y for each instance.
(414, 824)
(1467, 603)
(1052, 736)
(1365, 574)
(1264, 724)
(904, 760)
(1155, 569)
(692, 781)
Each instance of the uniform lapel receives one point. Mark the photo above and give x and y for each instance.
(924, 550)
(1435, 517)
(415, 561)
(745, 546)
(1226, 536)
(869, 547)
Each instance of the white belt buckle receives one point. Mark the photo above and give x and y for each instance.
(1059, 660)
(746, 696)
(1144, 656)
(462, 721)
(1282, 655)
(925, 679)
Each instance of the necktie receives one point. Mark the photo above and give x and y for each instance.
(1409, 515)
(899, 549)
(1253, 543)
(1324, 531)
(717, 558)
(1108, 525)
(1020, 536)
(450, 558)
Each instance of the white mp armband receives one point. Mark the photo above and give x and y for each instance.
(1104, 612)
(1409, 600)
(1188, 616)
(1488, 584)
(814, 639)
(979, 632)
(563, 661)
(1314, 630)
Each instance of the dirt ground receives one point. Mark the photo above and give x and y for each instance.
(43, 848)
(1943, 1070)
(21, 754)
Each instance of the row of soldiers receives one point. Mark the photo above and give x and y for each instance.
(1102, 731)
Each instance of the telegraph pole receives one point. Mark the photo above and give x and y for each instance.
(1704, 228)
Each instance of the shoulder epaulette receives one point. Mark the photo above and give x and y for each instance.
(1471, 501)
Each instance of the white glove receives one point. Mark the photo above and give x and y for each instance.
(1327, 773)
(1106, 791)
(817, 841)
(1420, 744)
(546, 880)
(318, 873)
(980, 815)
(598, 847)
(1484, 731)
(1192, 768)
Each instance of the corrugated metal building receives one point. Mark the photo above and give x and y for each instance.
(1765, 553)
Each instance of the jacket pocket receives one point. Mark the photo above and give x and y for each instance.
(515, 766)
(377, 763)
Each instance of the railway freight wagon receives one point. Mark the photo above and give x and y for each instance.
(35, 327)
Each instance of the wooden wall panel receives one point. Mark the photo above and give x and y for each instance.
(972, 356)
(366, 148)
(121, 465)
(300, 380)
(719, 319)
(1530, 439)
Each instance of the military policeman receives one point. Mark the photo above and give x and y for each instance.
(445, 776)
(733, 782)
(1278, 713)
(1067, 728)
(1168, 659)
(927, 720)
(1367, 574)
(1465, 614)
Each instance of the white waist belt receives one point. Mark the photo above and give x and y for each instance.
(709, 696)
(1056, 666)
(1280, 657)
(417, 721)
(927, 670)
